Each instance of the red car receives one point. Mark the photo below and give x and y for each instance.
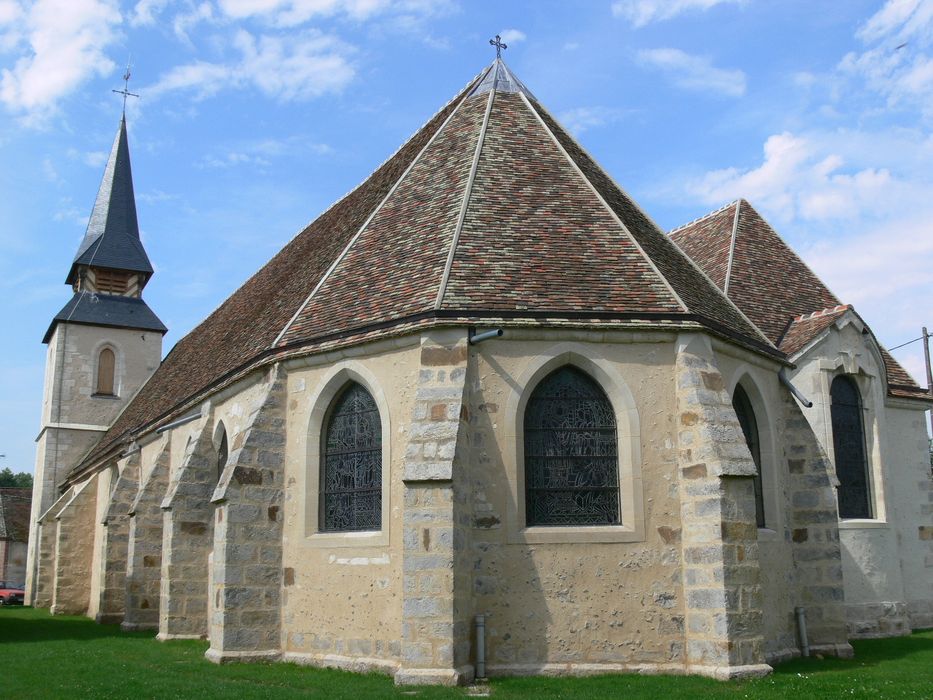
(11, 593)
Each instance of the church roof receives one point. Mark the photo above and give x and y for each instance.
(107, 310)
(768, 281)
(491, 212)
(112, 236)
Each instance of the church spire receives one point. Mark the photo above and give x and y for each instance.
(112, 239)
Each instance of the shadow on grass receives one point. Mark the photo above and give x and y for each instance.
(868, 652)
(25, 624)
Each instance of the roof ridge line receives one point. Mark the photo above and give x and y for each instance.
(464, 205)
(654, 223)
(705, 216)
(792, 250)
(369, 218)
(735, 231)
(478, 77)
(824, 312)
(605, 204)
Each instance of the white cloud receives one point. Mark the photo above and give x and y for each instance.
(298, 66)
(580, 119)
(290, 13)
(62, 46)
(261, 153)
(512, 36)
(642, 12)
(694, 72)
(186, 21)
(146, 12)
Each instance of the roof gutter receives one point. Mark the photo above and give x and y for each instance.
(782, 375)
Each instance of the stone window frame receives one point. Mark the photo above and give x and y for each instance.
(117, 370)
(220, 433)
(770, 475)
(865, 383)
(628, 434)
(329, 387)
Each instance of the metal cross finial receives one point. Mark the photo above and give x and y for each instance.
(126, 88)
(497, 42)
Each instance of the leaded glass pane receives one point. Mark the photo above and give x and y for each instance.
(849, 449)
(571, 465)
(222, 455)
(746, 416)
(351, 483)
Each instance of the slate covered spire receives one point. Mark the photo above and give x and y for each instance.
(112, 237)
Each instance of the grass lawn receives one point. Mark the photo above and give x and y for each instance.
(49, 657)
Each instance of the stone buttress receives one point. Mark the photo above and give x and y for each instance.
(187, 540)
(814, 528)
(723, 618)
(246, 571)
(46, 534)
(144, 552)
(74, 551)
(115, 546)
(435, 610)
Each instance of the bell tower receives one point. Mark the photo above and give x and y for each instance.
(103, 345)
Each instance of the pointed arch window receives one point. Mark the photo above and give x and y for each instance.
(351, 474)
(222, 452)
(849, 449)
(571, 461)
(106, 365)
(746, 415)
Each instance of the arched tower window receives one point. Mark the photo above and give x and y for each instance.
(849, 449)
(222, 452)
(746, 415)
(106, 363)
(351, 472)
(571, 462)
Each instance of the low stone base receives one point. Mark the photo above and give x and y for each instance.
(236, 657)
(781, 655)
(920, 614)
(67, 610)
(842, 651)
(357, 664)
(138, 626)
(164, 637)
(877, 620)
(431, 676)
(108, 618)
(576, 669)
(729, 673)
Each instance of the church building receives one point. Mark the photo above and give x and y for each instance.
(484, 417)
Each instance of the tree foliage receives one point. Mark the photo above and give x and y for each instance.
(19, 480)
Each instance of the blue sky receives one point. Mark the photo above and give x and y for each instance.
(255, 115)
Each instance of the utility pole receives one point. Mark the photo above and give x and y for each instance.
(926, 356)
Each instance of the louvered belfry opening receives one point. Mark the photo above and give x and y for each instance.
(571, 461)
(849, 449)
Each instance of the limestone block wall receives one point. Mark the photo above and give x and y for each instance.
(144, 550)
(874, 552)
(13, 561)
(814, 532)
(247, 575)
(435, 611)
(188, 539)
(575, 600)
(720, 537)
(115, 547)
(74, 549)
(43, 572)
(342, 595)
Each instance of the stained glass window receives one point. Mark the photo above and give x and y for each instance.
(849, 449)
(746, 415)
(222, 452)
(571, 465)
(351, 477)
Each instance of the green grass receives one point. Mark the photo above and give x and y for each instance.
(49, 657)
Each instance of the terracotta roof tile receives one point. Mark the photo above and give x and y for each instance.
(805, 328)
